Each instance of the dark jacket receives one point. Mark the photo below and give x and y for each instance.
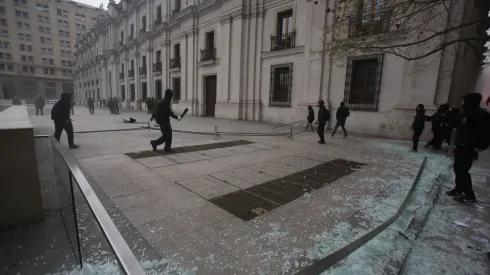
(164, 111)
(419, 120)
(342, 112)
(437, 121)
(323, 114)
(90, 103)
(39, 102)
(474, 129)
(311, 115)
(61, 109)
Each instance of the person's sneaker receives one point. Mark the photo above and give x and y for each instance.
(413, 150)
(321, 141)
(463, 198)
(153, 146)
(74, 146)
(453, 193)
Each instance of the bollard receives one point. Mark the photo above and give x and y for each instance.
(291, 133)
(215, 132)
(148, 126)
(450, 150)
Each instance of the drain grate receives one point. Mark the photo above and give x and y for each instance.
(188, 149)
(257, 200)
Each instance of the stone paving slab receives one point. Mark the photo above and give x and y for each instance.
(157, 161)
(208, 187)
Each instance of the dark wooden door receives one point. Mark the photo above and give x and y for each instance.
(210, 94)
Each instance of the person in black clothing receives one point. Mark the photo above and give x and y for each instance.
(310, 118)
(60, 114)
(323, 117)
(91, 105)
(115, 104)
(39, 103)
(437, 129)
(473, 135)
(418, 125)
(162, 116)
(341, 115)
(149, 105)
(16, 101)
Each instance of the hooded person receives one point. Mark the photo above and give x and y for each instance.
(39, 104)
(437, 129)
(162, 116)
(323, 117)
(60, 114)
(472, 136)
(341, 116)
(418, 125)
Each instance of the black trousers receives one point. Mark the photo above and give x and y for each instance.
(463, 160)
(39, 109)
(416, 137)
(59, 126)
(91, 110)
(166, 137)
(437, 139)
(321, 130)
(341, 123)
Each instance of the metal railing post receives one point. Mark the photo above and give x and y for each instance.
(215, 132)
(148, 126)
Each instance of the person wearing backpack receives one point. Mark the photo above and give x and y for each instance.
(341, 115)
(323, 117)
(473, 136)
(60, 114)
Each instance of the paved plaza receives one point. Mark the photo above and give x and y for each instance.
(268, 205)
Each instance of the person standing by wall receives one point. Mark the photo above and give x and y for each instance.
(323, 117)
(472, 136)
(162, 116)
(39, 104)
(91, 105)
(116, 105)
(310, 118)
(418, 125)
(341, 115)
(60, 114)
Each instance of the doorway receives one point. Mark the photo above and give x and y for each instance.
(210, 95)
(158, 86)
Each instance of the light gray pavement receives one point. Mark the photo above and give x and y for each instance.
(166, 198)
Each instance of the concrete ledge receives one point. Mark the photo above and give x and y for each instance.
(20, 191)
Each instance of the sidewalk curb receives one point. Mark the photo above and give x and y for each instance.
(322, 265)
(397, 261)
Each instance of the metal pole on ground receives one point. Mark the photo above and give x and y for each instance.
(148, 126)
(291, 133)
(215, 132)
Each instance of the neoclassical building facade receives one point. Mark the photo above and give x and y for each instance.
(252, 60)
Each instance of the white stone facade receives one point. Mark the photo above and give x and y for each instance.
(242, 62)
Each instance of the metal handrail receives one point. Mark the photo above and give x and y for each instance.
(130, 265)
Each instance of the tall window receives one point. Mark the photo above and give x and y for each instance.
(122, 37)
(159, 56)
(143, 61)
(131, 31)
(285, 34)
(363, 81)
(284, 22)
(159, 14)
(177, 5)
(281, 82)
(176, 89)
(143, 23)
(371, 18)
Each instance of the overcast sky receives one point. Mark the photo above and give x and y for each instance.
(96, 3)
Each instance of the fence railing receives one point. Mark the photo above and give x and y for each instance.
(284, 41)
(76, 200)
(208, 54)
